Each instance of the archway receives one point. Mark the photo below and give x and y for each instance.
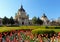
(22, 23)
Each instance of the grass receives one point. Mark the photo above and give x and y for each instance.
(37, 30)
(34, 28)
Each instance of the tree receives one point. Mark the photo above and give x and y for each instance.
(34, 20)
(39, 21)
(12, 20)
(5, 20)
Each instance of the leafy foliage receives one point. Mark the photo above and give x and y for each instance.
(37, 21)
(34, 20)
(11, 20)
(5, 20)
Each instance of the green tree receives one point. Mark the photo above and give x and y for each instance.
(12, 20)
(5, 20)
(39, 21)
(34, 20)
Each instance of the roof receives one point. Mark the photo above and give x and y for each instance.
(22, 9)
(44, 15)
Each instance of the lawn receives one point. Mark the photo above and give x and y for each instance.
(34, 28)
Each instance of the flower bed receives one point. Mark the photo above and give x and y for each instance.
(27, 36)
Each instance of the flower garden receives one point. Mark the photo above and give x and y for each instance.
(29, 34)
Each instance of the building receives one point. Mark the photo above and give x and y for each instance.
(45, 20)
(58, 20)
(23, 19)
(22, 16)
(0, 21)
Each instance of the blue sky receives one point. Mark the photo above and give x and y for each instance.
(33, 7)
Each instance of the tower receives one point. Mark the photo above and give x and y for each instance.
(22, 17)
(45, 19)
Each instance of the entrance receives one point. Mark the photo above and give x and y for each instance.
(22, 23)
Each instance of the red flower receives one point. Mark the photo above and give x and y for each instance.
(11, 34)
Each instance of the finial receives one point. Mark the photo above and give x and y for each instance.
(44, 15)
(21, 9)
(21, 6)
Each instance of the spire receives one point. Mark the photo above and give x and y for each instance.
(22, 9)
(44, 15)
(21, 6)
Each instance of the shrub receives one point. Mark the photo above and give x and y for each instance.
(43, 31)
(57, 27)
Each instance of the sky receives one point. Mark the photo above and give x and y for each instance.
(36, 8)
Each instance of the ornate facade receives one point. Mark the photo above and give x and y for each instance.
(45, 20)
(22, 17)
